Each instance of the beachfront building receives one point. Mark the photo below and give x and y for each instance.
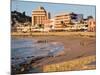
(49, 24)
(69, 22)
(78, 22)
(62, 20)
(40, 17)
(76, 18)
(91, 24)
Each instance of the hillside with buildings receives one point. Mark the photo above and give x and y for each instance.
(41, 21)
(19, 19)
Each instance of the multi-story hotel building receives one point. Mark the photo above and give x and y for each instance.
(40, 16)
(62, 20)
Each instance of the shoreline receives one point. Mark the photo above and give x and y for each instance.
(53, 33)
(76, 45)
(75, 64)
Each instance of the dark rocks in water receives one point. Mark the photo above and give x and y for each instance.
(32, 61)
(15, 69)
(15, 58)
(35, 59)
(12, 58)
(25, 66)
(29, 56)
(42, 41)
(32, 56)
(22, 57)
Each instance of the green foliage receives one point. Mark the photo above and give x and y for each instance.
(19, 17)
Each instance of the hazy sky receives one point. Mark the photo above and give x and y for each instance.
(53, 8)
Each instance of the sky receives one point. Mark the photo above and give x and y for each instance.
(53, 8)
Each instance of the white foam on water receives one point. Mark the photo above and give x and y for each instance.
(23, 48)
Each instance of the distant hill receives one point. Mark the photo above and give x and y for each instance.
(18, 17)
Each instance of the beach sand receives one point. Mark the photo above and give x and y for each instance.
(74, 47)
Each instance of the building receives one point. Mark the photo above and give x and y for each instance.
(91, 25)
(76, 18)
(62, 20)
(52, 23)
(40, 16)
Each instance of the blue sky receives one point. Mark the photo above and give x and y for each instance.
(53, 8)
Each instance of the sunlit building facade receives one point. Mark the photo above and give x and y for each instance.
(62, 20)
(40, 16)
(91, 25)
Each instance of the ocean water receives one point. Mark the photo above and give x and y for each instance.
(24, 49)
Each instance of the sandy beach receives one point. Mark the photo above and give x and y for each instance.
(75, 46)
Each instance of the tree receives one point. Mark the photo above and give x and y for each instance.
(24, 13)
(90, 17)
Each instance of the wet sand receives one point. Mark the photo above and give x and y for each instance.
(74, 47)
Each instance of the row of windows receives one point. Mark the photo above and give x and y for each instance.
(67, 17)
(38, 19)
(39, 12)
(67, 21)
(90, 23)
